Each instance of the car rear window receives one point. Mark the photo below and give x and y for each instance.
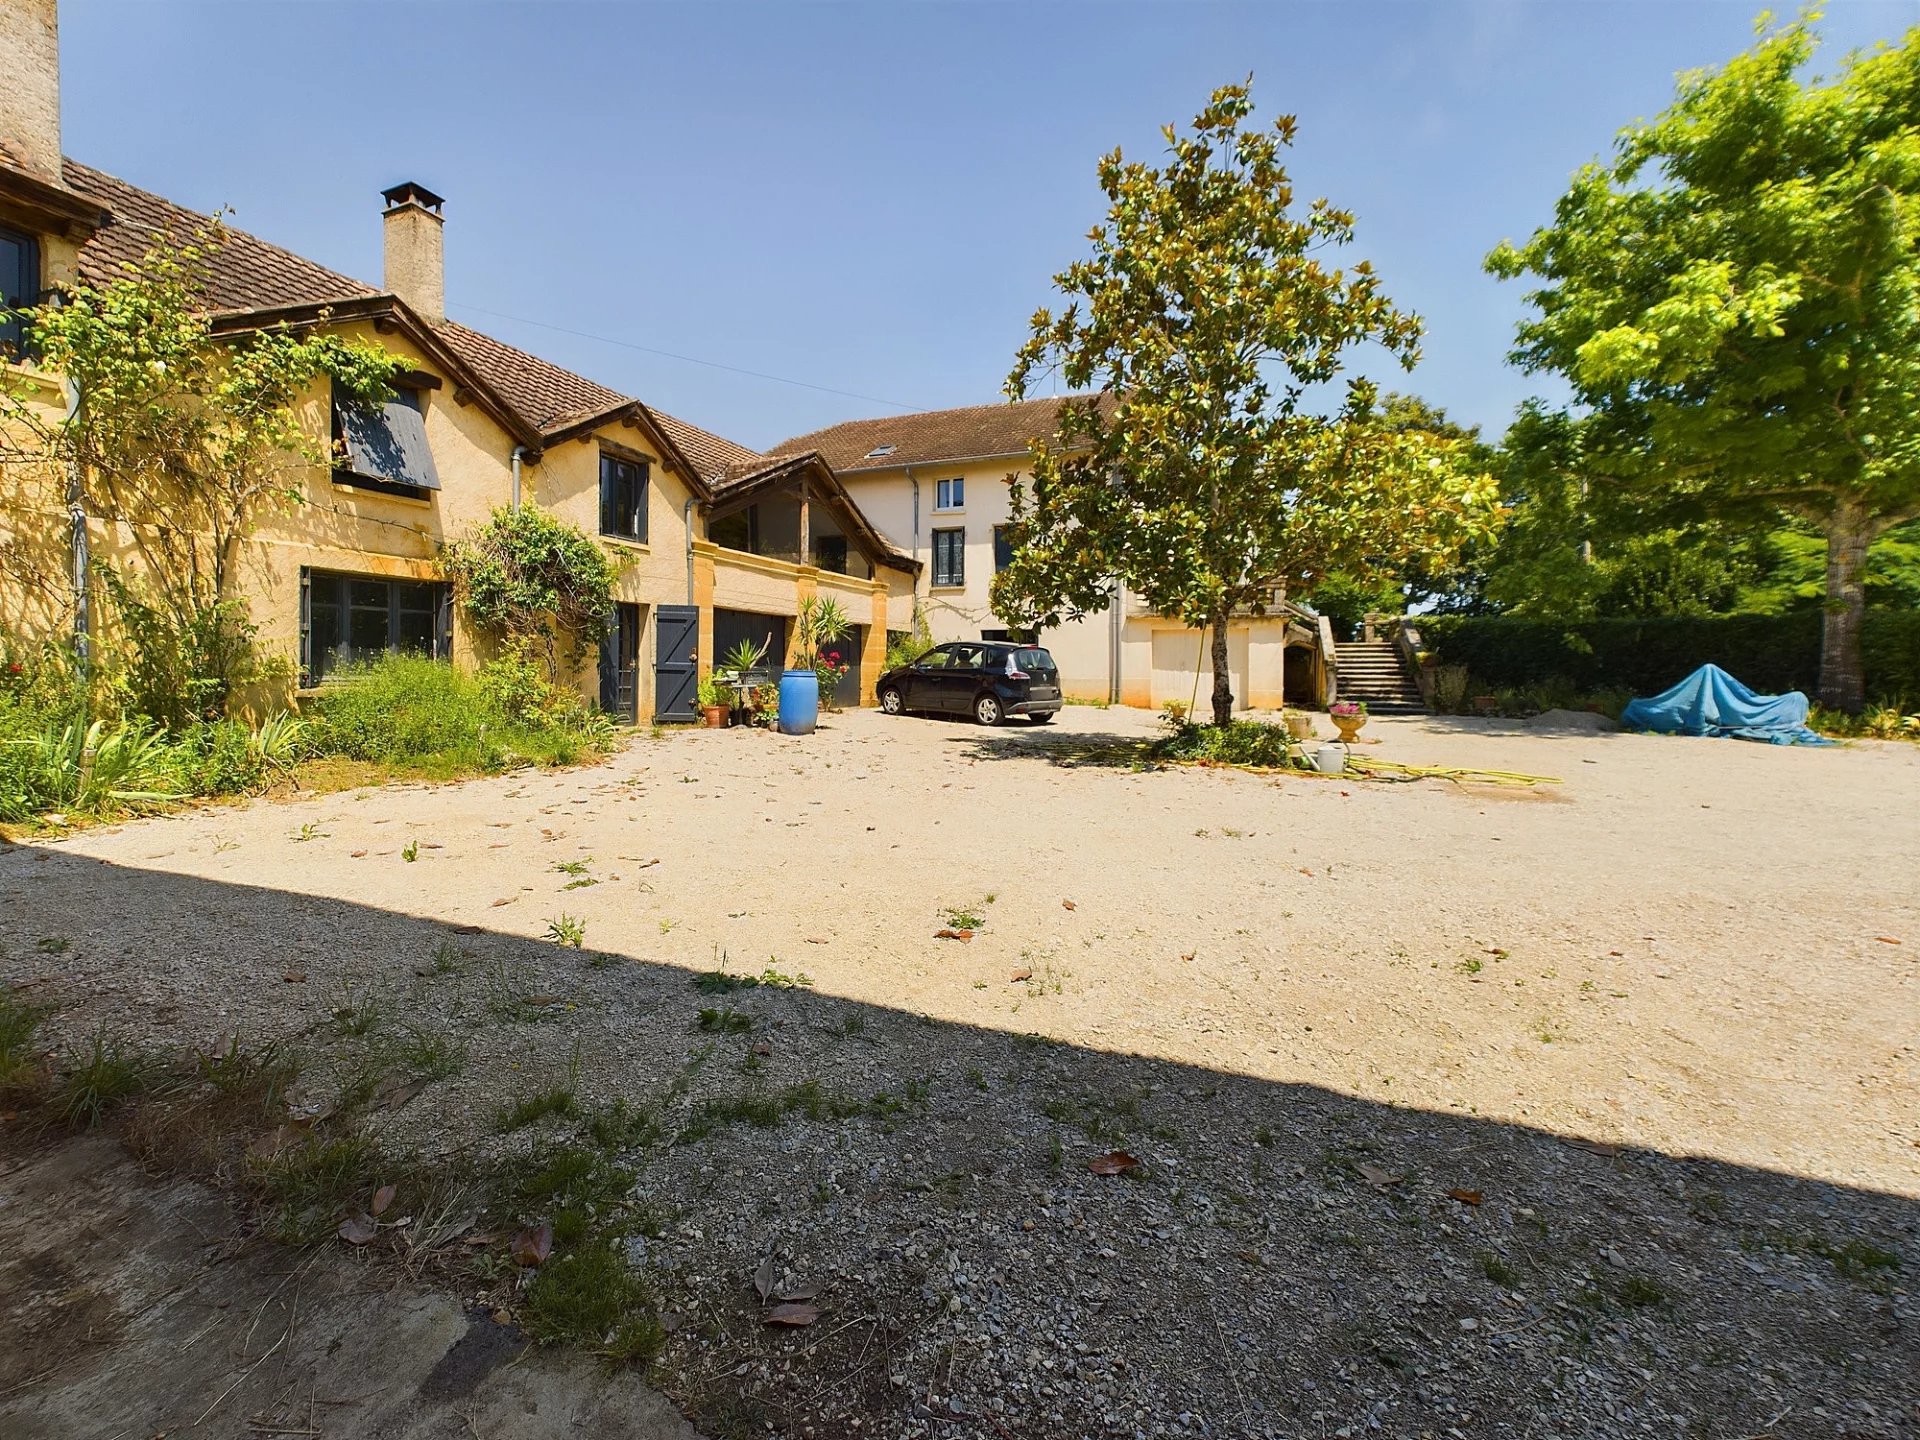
(1033, 660)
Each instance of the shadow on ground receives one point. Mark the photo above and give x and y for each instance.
(1285, 1260)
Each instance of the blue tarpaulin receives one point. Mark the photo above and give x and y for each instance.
(1712, 702)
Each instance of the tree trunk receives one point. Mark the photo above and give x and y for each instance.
(1843, 684)
(1222, 681)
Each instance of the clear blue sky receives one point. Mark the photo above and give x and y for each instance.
(869, 198)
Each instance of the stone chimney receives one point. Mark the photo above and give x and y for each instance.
(416, 263)
(30, 87)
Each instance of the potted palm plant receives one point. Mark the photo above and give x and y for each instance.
(739, 672)
(822, 622)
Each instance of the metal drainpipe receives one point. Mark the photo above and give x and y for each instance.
(77, 529)
(686, 524)
(914, 618)
(518, 451)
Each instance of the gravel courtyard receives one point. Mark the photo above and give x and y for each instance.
(1590, 1109)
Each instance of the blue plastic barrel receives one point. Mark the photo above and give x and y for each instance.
(799, 702)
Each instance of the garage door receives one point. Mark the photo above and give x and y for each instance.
(1181, 656)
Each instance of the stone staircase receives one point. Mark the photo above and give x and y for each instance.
(1371, 671)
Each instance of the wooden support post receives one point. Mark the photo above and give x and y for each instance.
(806, 528)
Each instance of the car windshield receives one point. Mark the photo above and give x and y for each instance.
(1032, 660)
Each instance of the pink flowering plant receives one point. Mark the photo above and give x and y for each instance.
(1347, 707)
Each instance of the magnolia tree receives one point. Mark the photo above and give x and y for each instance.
(176, 442)
(1199, 476)
(1734, 301)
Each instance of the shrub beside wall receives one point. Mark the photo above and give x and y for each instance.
(1769, 652)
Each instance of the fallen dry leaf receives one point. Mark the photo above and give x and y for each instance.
(763, 1048)
(356, 854)
(1115, 1163)
(1188, 957)
(1305, 871)
(1068, 905)
(1378, 1176)
(1466, 1197)
(295, 977)
(382, 1198)
(464, 929)
(1019, 975)
(763, 1280)
(793, 1314)
(394, 1094)
(961, 935)
(358, 1229)
(532, 1245)
(1886, 940)
(1595, 1147)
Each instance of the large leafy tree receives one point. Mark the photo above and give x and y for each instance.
(1197, 474)
(1736, 300)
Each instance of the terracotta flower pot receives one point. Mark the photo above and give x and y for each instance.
(714, 717)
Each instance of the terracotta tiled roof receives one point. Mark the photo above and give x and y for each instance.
(246, 273)
(546, 395)
(713, 454)
(973, 432)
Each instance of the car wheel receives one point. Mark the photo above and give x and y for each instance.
(892, 702)
(1045, 717)
(987, 709)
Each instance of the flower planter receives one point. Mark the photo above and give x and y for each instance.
(714, 717)
(1348, 726)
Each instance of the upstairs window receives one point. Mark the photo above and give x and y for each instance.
(385, 447)
(830, 553)
(949, 558)
(623, 497)
(738, 531)
(949, 494)
(1002, 549)
(19, 290)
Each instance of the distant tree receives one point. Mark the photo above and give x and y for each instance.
(1199, 480)
(1733, 299)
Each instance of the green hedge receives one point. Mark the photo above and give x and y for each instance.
(1769, 652)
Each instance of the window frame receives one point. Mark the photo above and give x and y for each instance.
(440, 595)
(957, 496)
(956, 574)
(1002, 548)
(13, 340)
(611, 463)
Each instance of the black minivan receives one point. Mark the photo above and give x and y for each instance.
(984, 678)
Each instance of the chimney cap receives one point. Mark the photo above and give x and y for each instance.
(411, 192)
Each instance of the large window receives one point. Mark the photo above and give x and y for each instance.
(19, 288)
(385, 447)
(355, 618)
(1002, 549)
(949, 494)
(623, 497)
(830, 553)
(738, 531)
(949, 557)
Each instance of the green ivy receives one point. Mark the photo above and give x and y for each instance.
(534, 580)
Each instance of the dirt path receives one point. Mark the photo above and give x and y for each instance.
(1314, 1007)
